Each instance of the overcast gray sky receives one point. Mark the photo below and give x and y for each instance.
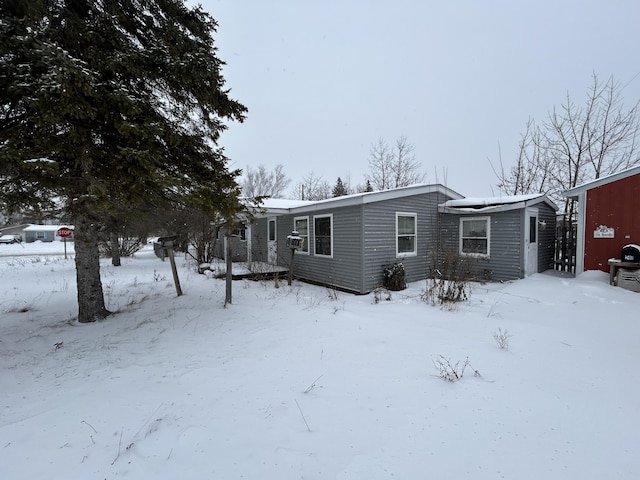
(323, 80)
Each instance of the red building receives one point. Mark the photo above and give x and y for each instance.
(608, 218)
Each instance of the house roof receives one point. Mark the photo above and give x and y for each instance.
(494, 204)
(575, 191)
(281, 206)
(45, 228)
(14, 227)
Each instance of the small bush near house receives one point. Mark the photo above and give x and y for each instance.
(394, 277)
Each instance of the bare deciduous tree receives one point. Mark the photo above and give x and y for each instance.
(531, 172)
(263, 183)
(380, 159)
(576, 144)
(312, 187)
(393, 167)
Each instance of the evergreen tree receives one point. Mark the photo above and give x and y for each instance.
(339, 189)
(111, 104)
(368, 187)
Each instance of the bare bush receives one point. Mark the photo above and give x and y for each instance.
(502, 339)
(452, 372)
(380, 294)
(450, 283)
(126, 246)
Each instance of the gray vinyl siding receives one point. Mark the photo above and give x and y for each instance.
(344, 269)
(506, 248)
(259, 240)
(238, 248)
(507, 245)
(364, 242)
(380, 241)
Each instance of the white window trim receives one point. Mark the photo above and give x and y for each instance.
(295, 219)
(476, 255)
(330, 216)
(415, 234)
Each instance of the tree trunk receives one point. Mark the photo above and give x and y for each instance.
(91, 305)
(115, 250)
(229, 263)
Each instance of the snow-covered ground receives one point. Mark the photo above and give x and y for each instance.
(305, 383)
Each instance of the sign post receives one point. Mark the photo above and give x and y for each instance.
(64, 233)
(167, 242)
(294, 242)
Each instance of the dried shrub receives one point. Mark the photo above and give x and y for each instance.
(502, 339)
(451, 282)
(380, 294)
(452, 372)
(127, 246)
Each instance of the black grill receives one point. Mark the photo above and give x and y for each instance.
(631, 253)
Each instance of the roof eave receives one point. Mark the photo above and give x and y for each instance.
(504, 207)
(366, 197)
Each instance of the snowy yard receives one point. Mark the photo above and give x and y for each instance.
(305, 383)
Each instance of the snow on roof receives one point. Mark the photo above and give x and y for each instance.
(45, 228)
(493, 204)
(275, 205)
(575, 191)
(284, 203)
(479, 202)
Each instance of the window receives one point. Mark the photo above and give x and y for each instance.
(301, 225)
(272, 230)
(474, 236)
(533, 229)
(406, 234)
(323, 235)
(41, 235)
(240, 233)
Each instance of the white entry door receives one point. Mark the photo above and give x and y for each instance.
(272, 241)
(531, 242)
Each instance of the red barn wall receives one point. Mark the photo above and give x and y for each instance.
(615, 205)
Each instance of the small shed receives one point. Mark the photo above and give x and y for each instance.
(503, 237)
(608, 218)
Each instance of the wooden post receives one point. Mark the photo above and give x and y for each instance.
(290, 279)
(176, 280)
(229, 262)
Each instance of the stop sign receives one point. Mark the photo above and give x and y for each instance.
(64, 232)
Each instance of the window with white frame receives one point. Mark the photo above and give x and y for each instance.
(323, 235)
(474, 236)
(406, 234)
(301, 225)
